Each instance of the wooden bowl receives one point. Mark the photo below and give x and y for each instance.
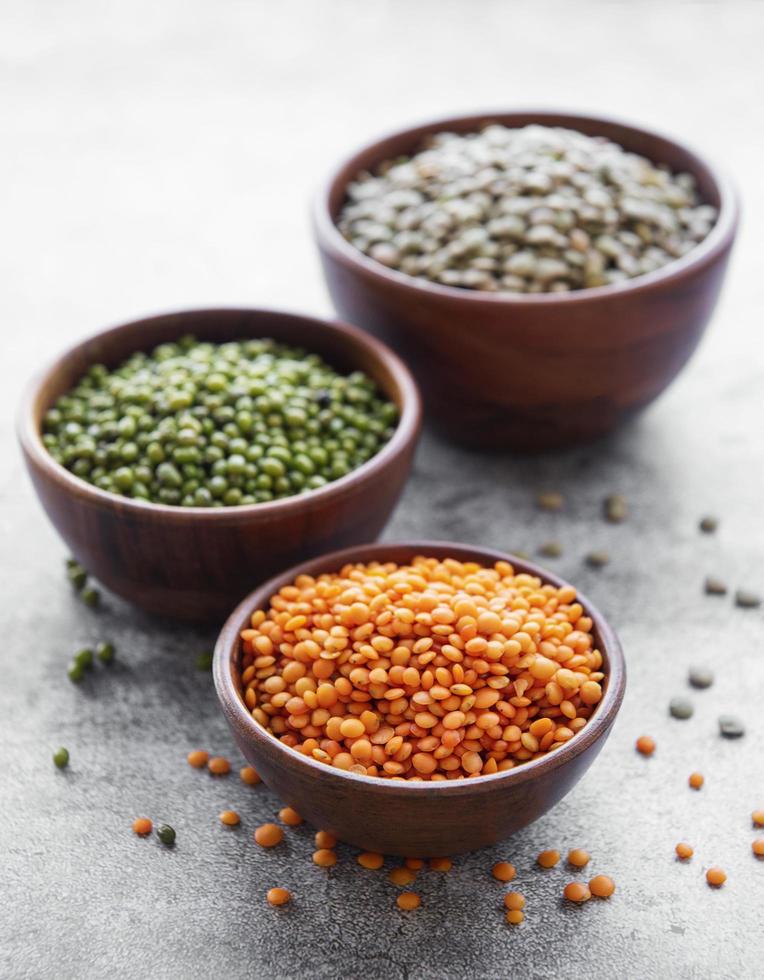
(540, 371)
(414, 819)
(194, 563)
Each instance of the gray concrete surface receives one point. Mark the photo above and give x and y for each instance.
(157, 156)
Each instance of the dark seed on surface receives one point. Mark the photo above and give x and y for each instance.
(166, 834)
(551, 549)
(681, 708)
(746, 599)
(75, 672)
(77, 576)
(700, 677)
(616, 508)
(105, 652)
(204, 661)
(597, 559)
(551, 501)
(708, 525)
(61, 758)
(730, 726)
(90, 596)
(715, 586)
(84, 658)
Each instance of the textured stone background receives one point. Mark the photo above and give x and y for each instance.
(158, 156)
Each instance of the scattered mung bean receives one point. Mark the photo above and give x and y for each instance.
(532, 209)
(90, 596)
(166, 834)
(203, 661)
(84, 658)
(61, 758)
(597, 559)
(105, 652)
(551, 549)
(198, 424)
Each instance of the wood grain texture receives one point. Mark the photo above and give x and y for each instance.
(502, 370)
(195, 563)
(409, 818)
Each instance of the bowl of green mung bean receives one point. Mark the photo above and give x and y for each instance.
(545, 274)
(186, 457)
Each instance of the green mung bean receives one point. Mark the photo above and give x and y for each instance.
(197, 424)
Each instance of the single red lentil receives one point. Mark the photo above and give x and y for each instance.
(324, 840)
(408, 901)
(269, 835)
(602, 886)
(578, 857)
(548, 859)
(696, 780)
(415, 864)
(503, 871)
(514, 917)
(278, 896)
(514, 900)
(324, 858)
(758, 817)
(441, 864)
(715, 877)
(371, 861)
(436, 670)
(683, 851)
(646, 744)
(142, 826)
(219, 766)
(401, 876)
(249, 776)
(198, 758)
(758, 847)
(290, 817)
(577, 892)
(230, 818)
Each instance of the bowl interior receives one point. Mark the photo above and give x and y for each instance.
(228, 684)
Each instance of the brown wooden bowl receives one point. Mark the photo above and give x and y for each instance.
(414, 819)
(193, 563)
(533, 372)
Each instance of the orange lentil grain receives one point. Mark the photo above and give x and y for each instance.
(324, 840)
(324, 857)
(602, 886)
(198, 758)
(278, 896)
(219, 766)
(408, 901)
(230, 818)
(249, 776)
(758, 847)
(269, 835)
(401, 876)
(758, 817)
(503, 871)
(577, 892)
(578, 857)
(514, 917)
(645, 745)
(715, 877)
(695, 780)
(371, 861)
(683, 851)
(142, 826)
(514, 900)
(290, 817)
(441, 864)
(415, 864)
(548, 859)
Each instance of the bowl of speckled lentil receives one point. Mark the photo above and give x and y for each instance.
(186, 457)
(422, 698)
(545, 274)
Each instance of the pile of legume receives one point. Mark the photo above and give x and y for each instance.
(434, 670)
(531, 210)
(209, 425)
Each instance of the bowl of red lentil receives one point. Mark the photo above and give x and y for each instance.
(501, 367)
(192, 558)
(420, 698)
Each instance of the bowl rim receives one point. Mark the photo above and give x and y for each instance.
(718, 240)
(405, 433)
(239, 717)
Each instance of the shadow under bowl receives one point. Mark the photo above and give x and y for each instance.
(193, 563)
(412, 818)
(540, 371)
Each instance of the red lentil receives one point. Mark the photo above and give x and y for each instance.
(514, 900)
(401, 876)
(249, 776)
(324, 857)
(683, 851)
(269, 835)
(142, 826)
(408, 901)
(602, 886)
(758, 847)
(758, 817)
(576, 892)
(514, 917)
(415, 864)
(371, 861)
(441, 864)
(278, 896)
(578, 858)
(548, 859)
(715, 877)
(230, 818)
(290, 817)
(198, 758)
(503, 871)
(433, 670)
(219, 766)
(695, 780)
(325, 840)
(646, 744)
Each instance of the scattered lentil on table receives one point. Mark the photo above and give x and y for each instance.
(597, 559)
(616, 508)
(61, 758)
(142, 826)
(747, 599)
(371, 861)
(551, 549)
(503, 871)
(700, 677)
(715, 877)
(219, 766)
(714, 586)
(105, 652)
(290, 816)
(578, 857)
(645, 745)
(708, 524)
(400, 877)
(550, 500)
(514, 901)
(249, 775)
(198, 758)
(408, 901)
(324, 840)
(268, 835)
(696, 780)
(213, 425)
(548, 859)
(278, 896)
(758, 818)
(230, 818)
(324, 857)
(683, 851)
(514, 917)
(526, 210)
(681, 708)
(433, 670)
(758, 847)
(575, 891)
(602, 886)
